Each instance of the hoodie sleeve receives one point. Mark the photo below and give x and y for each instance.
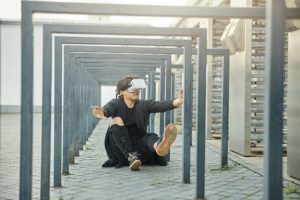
(159, 106)
(110, 109)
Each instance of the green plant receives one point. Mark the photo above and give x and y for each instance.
(88, 148)
(291, 189)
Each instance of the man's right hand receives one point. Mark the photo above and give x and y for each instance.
(98, 112)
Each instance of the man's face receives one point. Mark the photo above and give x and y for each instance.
(133, 96)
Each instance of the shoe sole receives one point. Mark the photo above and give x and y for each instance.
(169, 137)
(135, 165)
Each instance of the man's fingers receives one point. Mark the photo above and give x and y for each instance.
(96, 110)
(180, 93)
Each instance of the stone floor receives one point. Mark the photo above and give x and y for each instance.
(87, 180)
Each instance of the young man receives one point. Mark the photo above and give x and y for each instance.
(127, 141)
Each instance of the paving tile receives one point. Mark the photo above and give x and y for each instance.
(88, 180)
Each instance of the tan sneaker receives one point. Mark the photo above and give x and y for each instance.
(134, 161)
(169, 137)
(135, 165)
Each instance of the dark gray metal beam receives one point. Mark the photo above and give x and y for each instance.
(273, 106)
(177, 66)
(96, 66)
(123, 30)
(28, 7)
(26, 137)
(116, 49)
(112, 70)
(46, 119)
(58, 52)
(118, 57)
(33, 8)
(125, 61)
(164, 58)
(225, 108)
(144, 42)
(188, 95)
(138, 56)
(96, 50)
(201, 96)
(151, 10)
(135, 42)
(132, 56)
(104, 74)
(81, 29)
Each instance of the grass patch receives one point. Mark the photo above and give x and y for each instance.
(222, 168)
(156, 182)
(67, 173)
(88, 148)
(291, 189)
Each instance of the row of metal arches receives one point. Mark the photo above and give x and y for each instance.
(102, 62)
(79, 87)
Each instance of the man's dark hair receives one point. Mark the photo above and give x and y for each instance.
(123, 83)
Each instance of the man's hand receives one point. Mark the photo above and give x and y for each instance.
(98, 112)
(177, 102)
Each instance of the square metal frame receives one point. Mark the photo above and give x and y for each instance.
(274, 56)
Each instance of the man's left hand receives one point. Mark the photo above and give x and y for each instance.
(177, 102)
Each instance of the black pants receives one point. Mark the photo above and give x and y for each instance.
(120, 141)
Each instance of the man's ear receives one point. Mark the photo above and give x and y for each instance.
(122, 92)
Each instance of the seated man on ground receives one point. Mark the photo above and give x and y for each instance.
(127, 141)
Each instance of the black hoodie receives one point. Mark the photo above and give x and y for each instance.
(141, 111)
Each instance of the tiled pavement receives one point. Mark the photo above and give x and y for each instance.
(89, 181)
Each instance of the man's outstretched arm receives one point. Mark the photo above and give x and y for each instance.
(163, 106)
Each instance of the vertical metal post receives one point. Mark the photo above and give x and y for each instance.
(168, 94)
(153, 95)
(148, 87)
(46, 115)
(80, 109)
(88, 93)
(187, 114)
(168, 88)
(100, 95)
(57, 115)
(26, 103)
(92, 96)
(86, 107)
(72, 116)
(143, 94)
(162, 97)
(201, 96)
(66, 115)
(225, 100)
(95, 99)
(76, 108)
(275, 27)
(90, 101)
(172, 95)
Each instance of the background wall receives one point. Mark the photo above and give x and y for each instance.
(11, 66)
(293, 112)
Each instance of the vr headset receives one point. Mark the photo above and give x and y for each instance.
(136, 84)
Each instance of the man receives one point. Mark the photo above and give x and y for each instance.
(127, 141)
